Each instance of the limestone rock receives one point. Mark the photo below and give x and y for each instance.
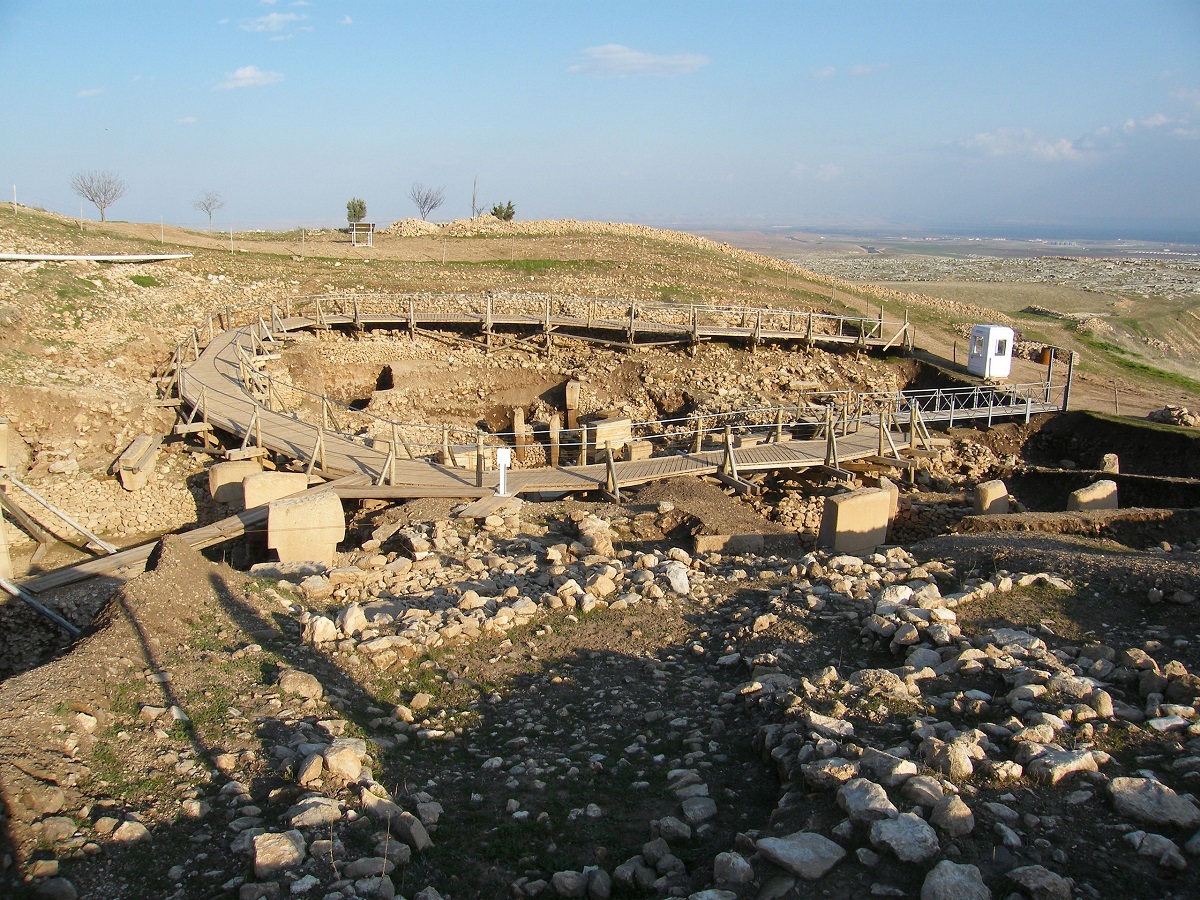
(804, 853)
(302, 684)
(864, 801)
(275, 853)
(908, 836)
(1152, 802)
(1042, 884)
(951, 881)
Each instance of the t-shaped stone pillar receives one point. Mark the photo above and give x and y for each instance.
(306, 528)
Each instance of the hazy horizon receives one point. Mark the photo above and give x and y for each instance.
(1073, 117)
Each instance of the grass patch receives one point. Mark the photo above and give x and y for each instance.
(1122, 358)
(111, 768)
(145, 281)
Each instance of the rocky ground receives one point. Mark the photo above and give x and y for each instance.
(567, 703)
(566, 699)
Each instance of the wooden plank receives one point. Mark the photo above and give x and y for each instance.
(409, 492)
(198, 538)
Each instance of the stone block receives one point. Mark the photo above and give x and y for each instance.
(991, 498)
(1098, 495)
(136, 464)
(1110, 463)
(306, 528)
(779, 544)
(750, 440)
(889, 487)
(466, 454)
(855, 521)
(572, 392)
(616, 432)
(260, 488)
(225, 479)
(636, 450)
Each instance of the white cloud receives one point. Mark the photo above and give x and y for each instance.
(1188, 95)
(271, 22)
(1022, 143)
(617, 59)
(346, 20)
(90, 92)
(1155, 121)
(187, 120)
(825, 72)
(246, 77)
(222, 21)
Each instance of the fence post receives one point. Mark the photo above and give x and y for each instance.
(1070, 378)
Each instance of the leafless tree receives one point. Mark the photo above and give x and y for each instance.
(208, 201)
(99, 187)
(475, 197)
(426, 199)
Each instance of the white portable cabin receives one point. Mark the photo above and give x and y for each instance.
(990, 354)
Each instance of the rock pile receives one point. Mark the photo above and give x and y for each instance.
(1175, 415)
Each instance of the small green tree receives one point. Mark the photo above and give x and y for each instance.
(356, 210)
(504, 211)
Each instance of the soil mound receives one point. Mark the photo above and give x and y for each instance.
(712, 509)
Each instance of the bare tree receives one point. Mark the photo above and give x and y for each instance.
(99, 187)
(208, 201)
(426, 199)
(475, 197)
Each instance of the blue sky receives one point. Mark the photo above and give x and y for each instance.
(927, 114)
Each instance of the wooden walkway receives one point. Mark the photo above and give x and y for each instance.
(604, 322)
(217, 386)
(213, 385)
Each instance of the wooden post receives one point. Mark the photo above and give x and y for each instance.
(487, 323)
(1070, 378)
(555, 435)
(699, 441)
(779, 425)
(479, 459)
(412, 320)
(632, 321)
(611, 474)
(318, 452)
(388, 464)
(583, 454)
(831, 448)
(729, 462)
(445, 445)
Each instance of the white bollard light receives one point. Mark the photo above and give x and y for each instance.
(503, 461)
